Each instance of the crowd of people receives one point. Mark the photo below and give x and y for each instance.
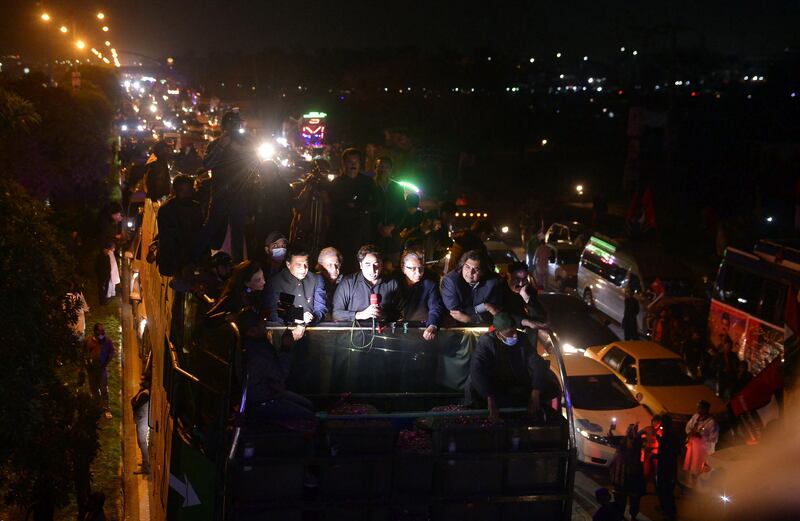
(367, 265)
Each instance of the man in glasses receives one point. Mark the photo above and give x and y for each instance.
(471, 292)
(420, 300)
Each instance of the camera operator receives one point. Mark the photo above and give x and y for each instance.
(229, 158)
(312, 208)
(294, 297)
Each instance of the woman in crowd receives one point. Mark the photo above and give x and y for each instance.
(243, 289)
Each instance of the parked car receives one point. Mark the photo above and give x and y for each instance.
(562, 268)
(501, 255)
(658, 378)
(602, 408)
(577, 325)
(571, 232)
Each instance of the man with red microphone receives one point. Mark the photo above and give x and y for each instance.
(365, 295)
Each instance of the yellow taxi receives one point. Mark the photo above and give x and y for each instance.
(657, 377)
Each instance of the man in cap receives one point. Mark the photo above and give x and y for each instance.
(506, 370)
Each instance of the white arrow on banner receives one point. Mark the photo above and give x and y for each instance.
(185, 490)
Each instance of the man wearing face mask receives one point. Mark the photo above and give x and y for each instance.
(98, 351)
(506, 370)
(275, 252)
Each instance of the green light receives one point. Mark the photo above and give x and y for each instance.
(409, 186)
(315, 114)
(603, 244)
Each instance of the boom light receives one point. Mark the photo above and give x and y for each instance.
(409, 186)
(266, 151)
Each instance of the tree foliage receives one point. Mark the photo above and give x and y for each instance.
(41, 415)
(64, 159)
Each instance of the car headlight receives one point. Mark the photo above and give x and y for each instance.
(597, 438)
(569, 348)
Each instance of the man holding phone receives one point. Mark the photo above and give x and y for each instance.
(292, 296)
(520, 298)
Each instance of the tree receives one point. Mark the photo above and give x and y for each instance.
(65, 158)
(16, 114)
(41, 415)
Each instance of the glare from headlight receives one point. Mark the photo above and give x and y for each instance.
(569, 348)
(266, 151)
(504, 229)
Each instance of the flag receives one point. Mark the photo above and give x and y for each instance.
(760, 390)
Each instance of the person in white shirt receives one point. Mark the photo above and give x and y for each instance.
(702, 433)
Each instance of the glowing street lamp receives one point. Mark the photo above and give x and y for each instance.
(100, 16)
(105, 28)
(544, 142)
(63, 29)
(80, 44)
(45, 17)
(579, 189)
(108, 44)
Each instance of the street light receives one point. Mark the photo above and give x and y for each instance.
(105, 28)
(45, 17)
(108, 44)
(63, 29)
(80, 44)
(100, 16)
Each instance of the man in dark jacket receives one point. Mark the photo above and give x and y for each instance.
(419, 298)
(471, 293)
(98, 351)
(669, 448)
(389, 207)
(268, 364)
(352, 196)
(469, 240)
(228, 157)
(156, 178)
(352, 298)
(521, 299)
(179, 222)
(506, 370)
(294, 280)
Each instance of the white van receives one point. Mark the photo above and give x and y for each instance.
(607, 268)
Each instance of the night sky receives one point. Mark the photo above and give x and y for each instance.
(161, 28)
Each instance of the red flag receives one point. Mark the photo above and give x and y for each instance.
(759, 391)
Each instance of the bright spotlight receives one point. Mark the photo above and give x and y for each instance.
(544, 142)
(266, 151)
(154, 108)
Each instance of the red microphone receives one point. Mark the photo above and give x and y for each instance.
(374, 299)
